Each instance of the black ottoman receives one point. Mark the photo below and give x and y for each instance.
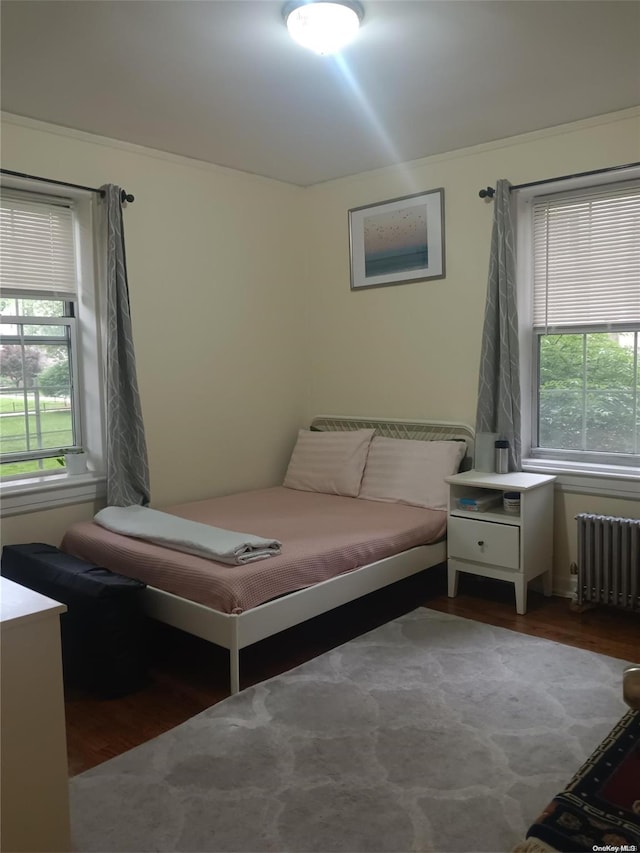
(104, 631)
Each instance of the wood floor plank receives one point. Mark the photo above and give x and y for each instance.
(189, 675)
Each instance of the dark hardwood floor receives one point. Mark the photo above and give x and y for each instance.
(188, 675)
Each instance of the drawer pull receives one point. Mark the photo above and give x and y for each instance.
(481, 542)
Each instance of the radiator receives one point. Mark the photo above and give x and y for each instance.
(609, 560)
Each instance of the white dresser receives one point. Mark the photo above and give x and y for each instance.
(34, 785)
(514, 547)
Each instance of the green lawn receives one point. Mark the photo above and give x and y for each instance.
(10, 469)
(14, 403)
(55, 431)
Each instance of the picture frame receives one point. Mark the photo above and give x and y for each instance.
(398, 241)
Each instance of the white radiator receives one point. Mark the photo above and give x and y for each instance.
(609, 560)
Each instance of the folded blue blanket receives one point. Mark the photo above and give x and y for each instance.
(192, 537)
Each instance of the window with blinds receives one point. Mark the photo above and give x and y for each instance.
(37, 249)
(586, 324)
(587, 258)
(39, 406)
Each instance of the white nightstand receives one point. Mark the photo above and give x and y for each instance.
(497, 544)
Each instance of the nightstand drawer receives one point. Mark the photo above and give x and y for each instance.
(484, 542)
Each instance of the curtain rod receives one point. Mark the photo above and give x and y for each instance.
(489, 192)
(124, 196)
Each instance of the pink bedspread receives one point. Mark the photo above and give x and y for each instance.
(322, 536)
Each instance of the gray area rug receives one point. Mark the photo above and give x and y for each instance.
(431, 733)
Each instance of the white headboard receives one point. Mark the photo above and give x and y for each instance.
(396, 428)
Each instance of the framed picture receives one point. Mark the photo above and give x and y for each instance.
(397, 241)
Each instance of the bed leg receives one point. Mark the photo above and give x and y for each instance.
(234, 659)
(234, 670)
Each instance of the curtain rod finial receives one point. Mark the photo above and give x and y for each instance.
(125, 196)
(489, 192)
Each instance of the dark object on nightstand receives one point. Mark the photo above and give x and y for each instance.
(502, 456)
(104, 631)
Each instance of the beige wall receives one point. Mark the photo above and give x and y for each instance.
(263, 331)
(214, 259)
(411, 351)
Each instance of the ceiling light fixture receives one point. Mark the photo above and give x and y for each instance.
(322, 25)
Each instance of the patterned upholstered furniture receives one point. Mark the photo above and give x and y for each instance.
(600, 808)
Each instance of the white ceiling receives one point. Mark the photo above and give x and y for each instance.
(222, 82)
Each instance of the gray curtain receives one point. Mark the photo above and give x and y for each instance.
(499, 384)
(127, 464)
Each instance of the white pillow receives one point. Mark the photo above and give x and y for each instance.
(331, 462)
(405, 471)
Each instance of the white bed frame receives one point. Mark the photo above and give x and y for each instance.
(236, 631)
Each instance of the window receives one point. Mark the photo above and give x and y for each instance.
(584, 323)
(38, 400)
(49, 340)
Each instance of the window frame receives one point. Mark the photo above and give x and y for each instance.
(71, 342)
(41, 490)
(624, 467)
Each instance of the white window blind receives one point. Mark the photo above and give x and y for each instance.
(37, 251)
(587, 257)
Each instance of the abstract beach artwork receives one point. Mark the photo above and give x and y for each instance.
(398, 241)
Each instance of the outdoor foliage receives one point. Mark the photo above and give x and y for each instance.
(19, 365)
(31, 307)
(588, 386)
(54, 381)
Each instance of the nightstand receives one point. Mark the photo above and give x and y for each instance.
(514, 547)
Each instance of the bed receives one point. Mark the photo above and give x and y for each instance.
(336, 547)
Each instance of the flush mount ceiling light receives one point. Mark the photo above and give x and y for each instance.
(321, 25)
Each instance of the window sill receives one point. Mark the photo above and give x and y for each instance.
(35, 494)
(588, 479)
